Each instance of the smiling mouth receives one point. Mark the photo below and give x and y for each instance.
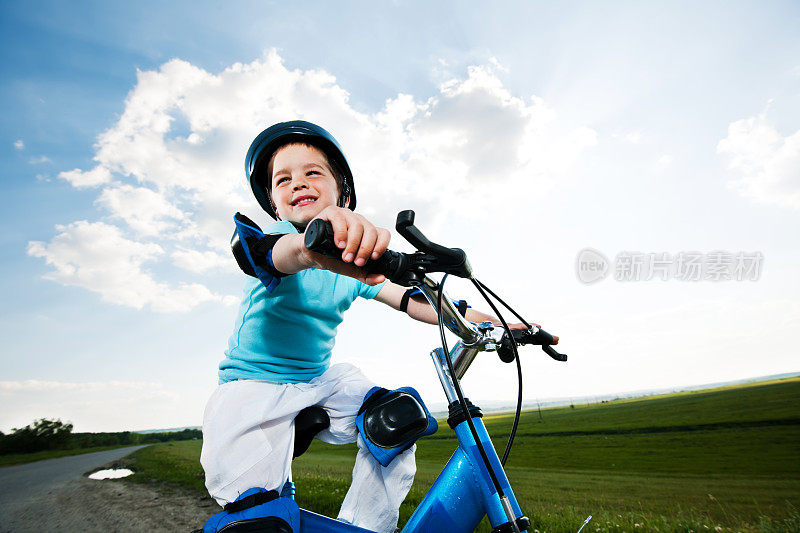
(306, 200)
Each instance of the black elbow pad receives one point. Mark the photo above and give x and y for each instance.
(253, 251)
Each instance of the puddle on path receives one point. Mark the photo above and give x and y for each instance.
(114, 473)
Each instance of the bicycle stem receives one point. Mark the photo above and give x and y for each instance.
(474, 339)
(452, 319)
(440, 363)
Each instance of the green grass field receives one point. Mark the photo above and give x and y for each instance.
(725, 460)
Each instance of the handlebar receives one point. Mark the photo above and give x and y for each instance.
(536, 336)
(319, 239)
(404, 269)
(409, 270)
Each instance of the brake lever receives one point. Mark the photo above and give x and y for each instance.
(450, 260)
(554, 354)
(535, 335)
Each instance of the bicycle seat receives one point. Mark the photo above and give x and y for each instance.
(307, 424)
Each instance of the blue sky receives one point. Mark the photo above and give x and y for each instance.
(620, 126)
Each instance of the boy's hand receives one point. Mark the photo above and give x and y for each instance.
(359, 241)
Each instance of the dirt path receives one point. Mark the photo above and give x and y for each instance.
(117, 505)
(113, 505)
(38, 499)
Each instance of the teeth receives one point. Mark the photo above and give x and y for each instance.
(305, 201)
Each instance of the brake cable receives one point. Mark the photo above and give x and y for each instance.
(462, 402)
(496, 297)
(480, 286)
(504, 500)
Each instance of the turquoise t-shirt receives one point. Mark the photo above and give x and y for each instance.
(287, 335)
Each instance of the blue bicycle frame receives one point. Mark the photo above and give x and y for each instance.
(458, 500)
(463, 493)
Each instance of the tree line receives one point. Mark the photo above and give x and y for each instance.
(45, 434)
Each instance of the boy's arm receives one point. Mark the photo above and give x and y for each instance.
(358, 238)
(289, 255)
(391, 294)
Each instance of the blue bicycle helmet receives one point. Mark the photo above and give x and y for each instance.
(277, 135)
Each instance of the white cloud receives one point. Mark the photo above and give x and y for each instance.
(144, 210)
(39, 160)
(91, 178)
(19, 144)
(478, 129)
(768, 162)
(230, 300)
(173, 162)
(633, 137)
(197, 261)
(664, 160)
(96, 257)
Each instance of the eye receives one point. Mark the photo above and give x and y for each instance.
(281, 180)
(313, 172)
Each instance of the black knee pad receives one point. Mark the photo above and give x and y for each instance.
(391, 421)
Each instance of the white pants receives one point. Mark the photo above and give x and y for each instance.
(248, 439)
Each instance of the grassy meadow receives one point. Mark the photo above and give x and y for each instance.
(718, 460)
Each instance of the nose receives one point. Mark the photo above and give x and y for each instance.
(299, 183)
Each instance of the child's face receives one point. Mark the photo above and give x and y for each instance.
(302, 183)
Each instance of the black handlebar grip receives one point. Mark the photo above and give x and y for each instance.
(543, 338)
(319, 239)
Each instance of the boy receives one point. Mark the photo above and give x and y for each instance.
(277, 362)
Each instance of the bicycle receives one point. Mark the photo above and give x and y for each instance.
(473, 483)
